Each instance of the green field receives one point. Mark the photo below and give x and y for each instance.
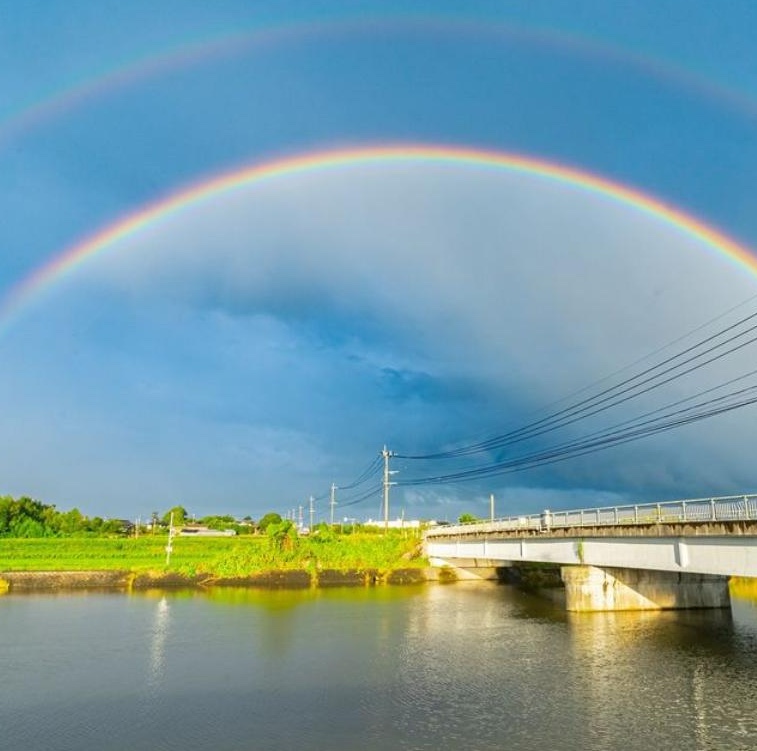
(224, 556)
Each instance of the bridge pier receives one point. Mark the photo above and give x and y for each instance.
(594, 588)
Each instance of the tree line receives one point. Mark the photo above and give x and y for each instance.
(27, 517)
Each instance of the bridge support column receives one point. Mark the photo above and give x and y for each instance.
(591, 588)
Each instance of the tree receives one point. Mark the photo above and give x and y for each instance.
(467, 518)
(27, 518)
(7, 508)
(179, 516)
(270, 518)
(71, 521)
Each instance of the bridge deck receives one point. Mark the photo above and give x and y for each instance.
(667, 529)
(725, 556)
(727, 515)
(705, 536)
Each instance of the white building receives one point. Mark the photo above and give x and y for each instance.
(395, 523)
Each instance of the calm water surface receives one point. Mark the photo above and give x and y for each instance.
(434, 667)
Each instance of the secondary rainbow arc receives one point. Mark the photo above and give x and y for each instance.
(63, 263)
(194, 51)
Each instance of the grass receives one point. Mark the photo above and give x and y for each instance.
(226, 556)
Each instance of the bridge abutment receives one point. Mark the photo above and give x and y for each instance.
(469, 570)
(594, 588)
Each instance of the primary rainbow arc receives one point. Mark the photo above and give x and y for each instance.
(63, 263)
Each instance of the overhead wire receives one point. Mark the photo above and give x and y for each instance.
(601, 439)
(655, 421)
(372, 469)
(367, 474)
(649, 355)
(609, 397)
(354, 501)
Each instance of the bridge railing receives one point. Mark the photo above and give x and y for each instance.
(695, 510)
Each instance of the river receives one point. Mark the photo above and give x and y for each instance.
(466, 666)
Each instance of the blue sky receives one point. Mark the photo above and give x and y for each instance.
(248, 352)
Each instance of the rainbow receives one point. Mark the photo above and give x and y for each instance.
(65, 262)
(189, 53)
(130, 73)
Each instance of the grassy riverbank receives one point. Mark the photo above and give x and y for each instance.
(222, 557)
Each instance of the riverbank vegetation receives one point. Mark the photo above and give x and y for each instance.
(37, 537)
(226, 557)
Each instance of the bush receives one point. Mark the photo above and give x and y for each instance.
(283, 536)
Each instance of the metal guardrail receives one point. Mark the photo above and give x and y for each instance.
(696, 510)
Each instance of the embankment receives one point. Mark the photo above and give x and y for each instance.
(38, 581)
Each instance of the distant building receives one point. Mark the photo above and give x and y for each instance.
(196, 530)
(395, 523)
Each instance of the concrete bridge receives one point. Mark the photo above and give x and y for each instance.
(673, 554)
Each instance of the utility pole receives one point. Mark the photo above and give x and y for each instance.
(312, 512)
(386, 454)
(300, 517)
(332, 502)
(491, 507)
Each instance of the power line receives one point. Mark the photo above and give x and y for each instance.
(661, 419)
(372, 469)
(599, 440)
(367, 474)
(649, 355)
(591, 405)
(376, 490)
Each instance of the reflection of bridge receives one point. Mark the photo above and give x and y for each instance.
(676, 554)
